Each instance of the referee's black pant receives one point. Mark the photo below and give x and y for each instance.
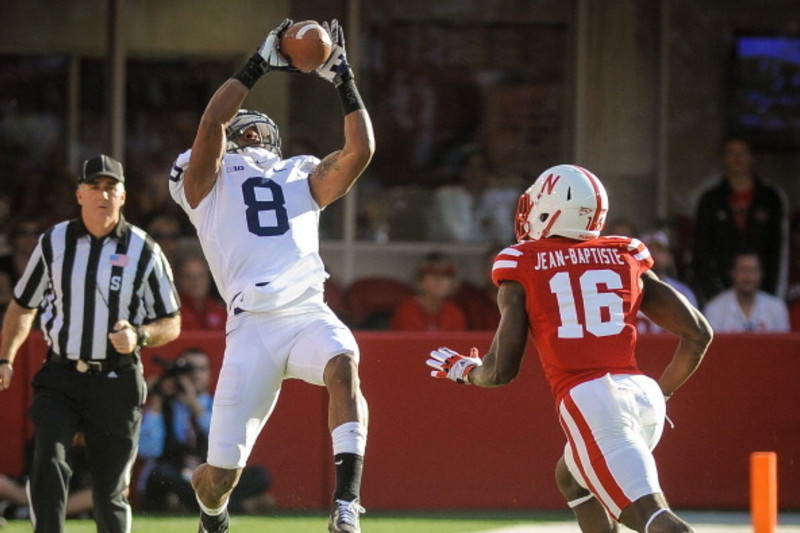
(107, 407)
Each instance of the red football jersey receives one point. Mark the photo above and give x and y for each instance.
(582, 298)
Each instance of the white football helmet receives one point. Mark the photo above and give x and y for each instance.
(268, 134)
(565, 200)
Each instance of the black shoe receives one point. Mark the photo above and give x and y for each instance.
(345, 517)
(213, 524)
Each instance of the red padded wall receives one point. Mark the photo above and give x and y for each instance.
(434, 445)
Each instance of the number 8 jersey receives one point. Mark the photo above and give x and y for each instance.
(259, 228)
(582, 298)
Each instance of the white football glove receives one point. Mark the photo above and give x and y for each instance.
(336, 69)
(270, 49)
(452, 365)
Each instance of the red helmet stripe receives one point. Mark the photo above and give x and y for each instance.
(546, 230)
(597, 196)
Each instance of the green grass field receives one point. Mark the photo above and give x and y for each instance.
(317, 523)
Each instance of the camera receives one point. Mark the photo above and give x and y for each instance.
(174, 368)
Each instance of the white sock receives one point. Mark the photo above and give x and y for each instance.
(350, 437)
(212, 512)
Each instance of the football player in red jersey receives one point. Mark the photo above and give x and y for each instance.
(579, 294)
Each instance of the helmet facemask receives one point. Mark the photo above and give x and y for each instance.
(522, 227)
(265, 128)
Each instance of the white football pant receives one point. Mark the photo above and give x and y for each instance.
(612, 424)
(263, 349)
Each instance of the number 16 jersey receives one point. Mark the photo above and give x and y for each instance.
(259, 228)
(582, 298)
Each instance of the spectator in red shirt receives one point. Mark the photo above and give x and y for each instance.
(431, 308)
(200, 309)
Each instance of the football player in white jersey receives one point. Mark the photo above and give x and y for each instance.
(257, 217)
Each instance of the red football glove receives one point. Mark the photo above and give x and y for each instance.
(452, 365)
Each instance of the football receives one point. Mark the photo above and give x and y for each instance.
(306, 45)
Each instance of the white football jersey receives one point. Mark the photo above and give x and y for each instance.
(258, 227)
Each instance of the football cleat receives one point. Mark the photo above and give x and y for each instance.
(214, 524)
(345, 517)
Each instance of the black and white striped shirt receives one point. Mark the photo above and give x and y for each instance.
(83, 285)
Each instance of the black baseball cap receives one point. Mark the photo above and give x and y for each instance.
(102, 165)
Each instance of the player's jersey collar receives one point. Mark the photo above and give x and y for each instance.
(262, 157)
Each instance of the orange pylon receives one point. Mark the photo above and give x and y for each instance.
(764, 492)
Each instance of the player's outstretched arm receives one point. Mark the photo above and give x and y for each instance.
(502, 363)
(208, 148)
(672, 311)
(339, 170)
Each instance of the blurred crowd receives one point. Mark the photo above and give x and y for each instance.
(739, 214)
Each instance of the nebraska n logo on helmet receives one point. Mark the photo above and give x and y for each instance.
(549, 182)
(267, 130)
(566, 201)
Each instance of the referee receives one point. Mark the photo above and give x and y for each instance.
(104, 290)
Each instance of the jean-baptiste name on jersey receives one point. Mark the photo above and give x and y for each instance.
(577, 256)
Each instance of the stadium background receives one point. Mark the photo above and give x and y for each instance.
(638, 91)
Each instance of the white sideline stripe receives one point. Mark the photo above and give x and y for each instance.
(573, 528)
(703, 522)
